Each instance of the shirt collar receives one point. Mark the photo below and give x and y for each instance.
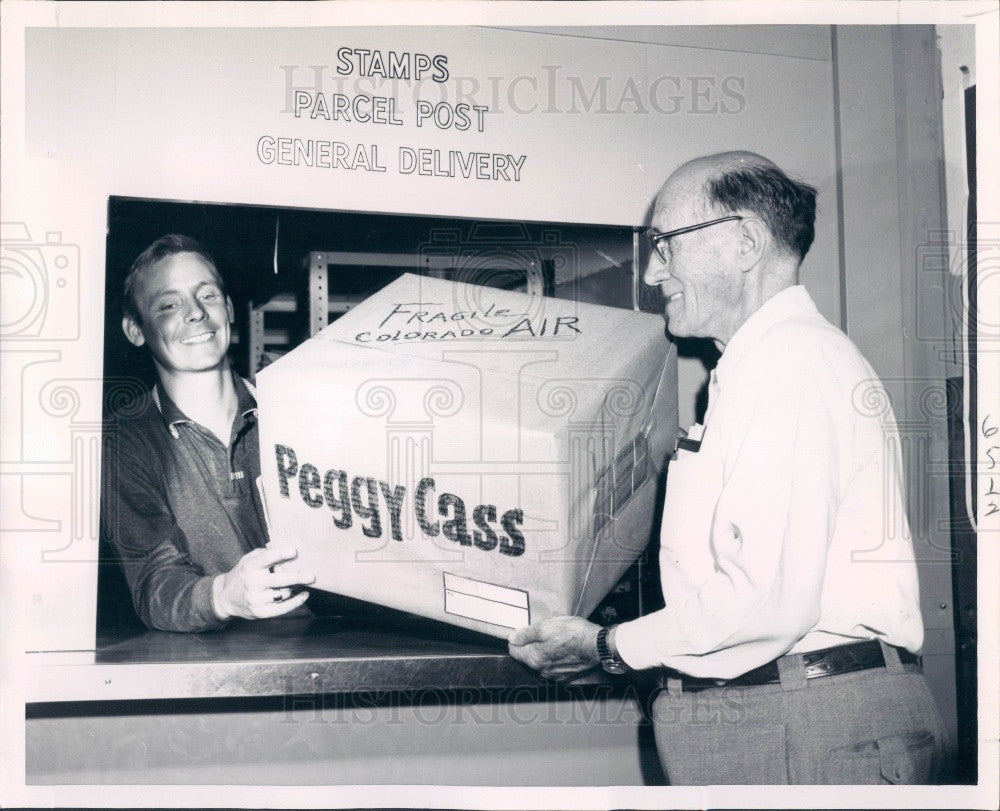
(787, 304)
(246, 404)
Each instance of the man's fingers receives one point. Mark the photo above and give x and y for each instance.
(530, 655)
(273, 609)
(524, 636)
(290, 604)
(261, 598)
(289, 577)
(527, 655)
(271, 556)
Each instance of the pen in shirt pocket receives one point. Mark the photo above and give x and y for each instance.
(689, 440)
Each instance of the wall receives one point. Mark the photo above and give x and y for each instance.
(895, 302)
(358, 740)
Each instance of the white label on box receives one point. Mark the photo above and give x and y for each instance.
(486, 602)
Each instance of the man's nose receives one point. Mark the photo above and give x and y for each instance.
(195, 311)
(657, 270)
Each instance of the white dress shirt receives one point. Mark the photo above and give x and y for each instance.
(786, 531)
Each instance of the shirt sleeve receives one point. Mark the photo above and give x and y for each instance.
(170, 593)
(771, 528)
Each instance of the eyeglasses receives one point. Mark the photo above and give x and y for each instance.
(654, 238)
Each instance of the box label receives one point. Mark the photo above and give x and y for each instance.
(487, 602)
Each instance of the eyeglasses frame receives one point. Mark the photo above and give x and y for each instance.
(654, 238)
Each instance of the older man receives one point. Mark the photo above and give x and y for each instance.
(786, 653)
(180, 501)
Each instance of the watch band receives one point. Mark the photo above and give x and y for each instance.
(608, 653)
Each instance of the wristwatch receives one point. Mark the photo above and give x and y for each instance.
(606, 650)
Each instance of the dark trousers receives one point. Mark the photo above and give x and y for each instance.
(871, 726)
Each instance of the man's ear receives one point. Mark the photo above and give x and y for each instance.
(230, 310)
(134, 332)
(752, 241)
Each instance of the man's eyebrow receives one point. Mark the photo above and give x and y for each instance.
(170, 291)
(173, 291)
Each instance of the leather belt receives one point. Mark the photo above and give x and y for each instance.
(817, 664)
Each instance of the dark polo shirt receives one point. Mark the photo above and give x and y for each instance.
(179, 506)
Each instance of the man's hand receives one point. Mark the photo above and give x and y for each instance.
(253, 590)
(558, 648)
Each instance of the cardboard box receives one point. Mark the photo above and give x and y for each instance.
(478, 456)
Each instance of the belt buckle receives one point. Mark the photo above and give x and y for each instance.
(818, 669)
(843, 659)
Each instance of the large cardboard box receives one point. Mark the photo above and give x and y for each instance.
(482, 457)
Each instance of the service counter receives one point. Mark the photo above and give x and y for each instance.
(282, 657)
(379, 698)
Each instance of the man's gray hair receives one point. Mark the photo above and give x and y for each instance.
(755, 184)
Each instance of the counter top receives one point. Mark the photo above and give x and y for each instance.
(383, 651)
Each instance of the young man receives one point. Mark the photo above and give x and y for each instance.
(180, 500)
(784, 657)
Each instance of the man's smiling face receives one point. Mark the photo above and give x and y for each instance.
(700, 285)
(186, 315)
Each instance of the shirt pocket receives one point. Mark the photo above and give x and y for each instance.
(694, 481)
